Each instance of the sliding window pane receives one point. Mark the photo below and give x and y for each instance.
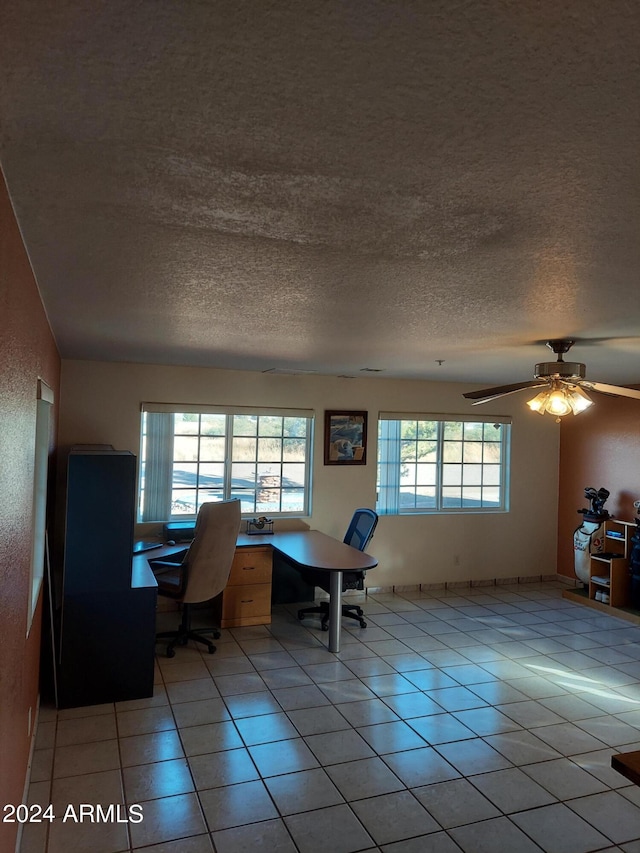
(213, 424)
(245, 425)
(472, 497)
(186, 423)
(295, 427)
(452, 430)
(425, 497)
(293, 474)
(243, 475)
(268, 486)
(473, 431)
(451, 498)
(267, 502)
(211, 475)
(472, 451)
(185, 474)
(491, 475)
(292, 500)
(472, 475)
(185, 448)
(426, 474)
(247, 498)
(493, 432)
(294, 449)
(183, 502)
(269, 449)
(492, 452)
(209, 496)
(451, 475)
(270, 425)
(244, 449)
(491, 496)
(212, 448)
(452, 451)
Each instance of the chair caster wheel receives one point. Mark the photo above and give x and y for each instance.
(324, 626)
(363, 624)
(171, 652)
(211, 649)
(300, 615)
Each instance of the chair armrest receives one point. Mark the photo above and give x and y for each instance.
(161, 565)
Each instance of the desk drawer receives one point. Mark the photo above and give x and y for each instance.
(249, 604)
(251, 566)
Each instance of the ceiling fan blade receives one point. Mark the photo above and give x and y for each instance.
(612, 390)
(501, 390)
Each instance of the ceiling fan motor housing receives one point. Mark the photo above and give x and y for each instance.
(560, 369)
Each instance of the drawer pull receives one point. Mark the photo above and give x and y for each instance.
(247, 601)
(248, 568)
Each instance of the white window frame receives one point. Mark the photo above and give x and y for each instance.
(157, 458)
(389, 464)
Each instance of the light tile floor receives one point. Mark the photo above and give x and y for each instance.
(479, 719)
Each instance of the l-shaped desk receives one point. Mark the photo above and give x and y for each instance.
(307, 549)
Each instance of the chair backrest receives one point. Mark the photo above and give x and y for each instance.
(361, 528)
(208, 561)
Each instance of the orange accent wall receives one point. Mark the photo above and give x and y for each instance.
(27, 352)
(600, 447)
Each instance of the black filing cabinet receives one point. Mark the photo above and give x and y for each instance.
(106, 629)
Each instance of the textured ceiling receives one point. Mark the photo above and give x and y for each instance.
(330, 186)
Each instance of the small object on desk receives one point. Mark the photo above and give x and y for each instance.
(259, 525)
(171, 541)
(139, 547)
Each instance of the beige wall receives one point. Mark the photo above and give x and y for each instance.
(27, 351)
(101, 403)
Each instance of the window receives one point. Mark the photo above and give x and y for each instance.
(442, 463)
(44, 403)
(203, 454)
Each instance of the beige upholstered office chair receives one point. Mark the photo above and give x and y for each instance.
(358, 535)
(202, 571)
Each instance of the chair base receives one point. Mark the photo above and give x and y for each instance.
(185, 633)
(351, 611)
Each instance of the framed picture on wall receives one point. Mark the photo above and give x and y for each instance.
(345, 438)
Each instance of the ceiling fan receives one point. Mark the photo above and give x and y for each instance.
(562, 386)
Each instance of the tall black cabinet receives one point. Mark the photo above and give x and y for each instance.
(106, 627)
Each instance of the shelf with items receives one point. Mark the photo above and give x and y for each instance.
(609, 581)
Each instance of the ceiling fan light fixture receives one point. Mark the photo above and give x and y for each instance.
(579, 401)
(539, 402)
(562, 383)
(559, 400)
(558, 403)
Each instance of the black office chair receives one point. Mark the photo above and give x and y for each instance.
(358, 535)
(201, 572)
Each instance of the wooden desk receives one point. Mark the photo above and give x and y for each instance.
(308, 549)
(311, 549)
